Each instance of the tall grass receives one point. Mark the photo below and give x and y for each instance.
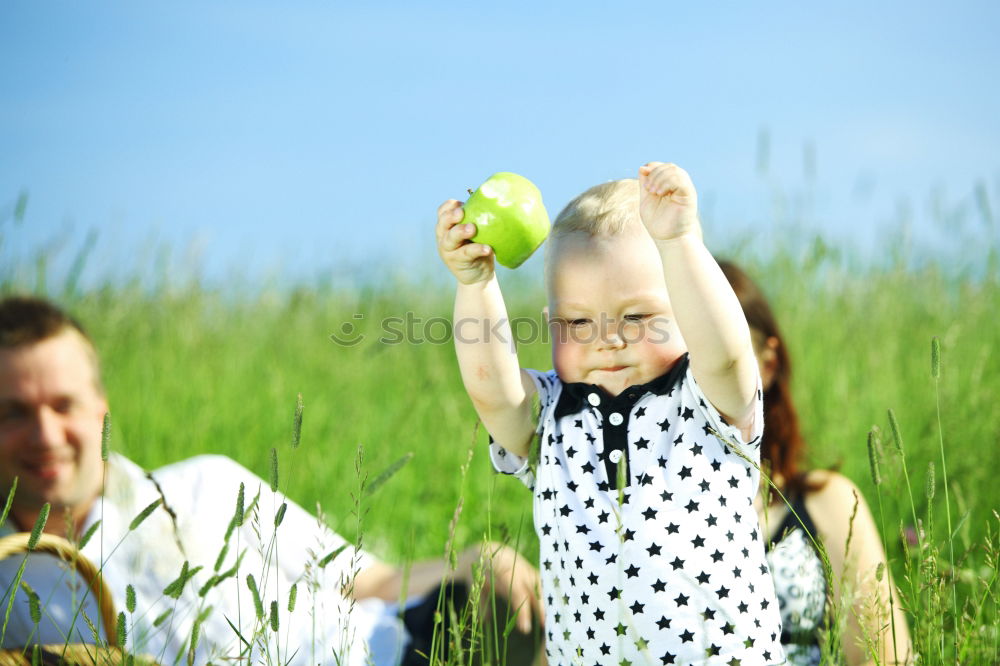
(201, 370)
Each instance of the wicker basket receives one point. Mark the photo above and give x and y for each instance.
(70, 654)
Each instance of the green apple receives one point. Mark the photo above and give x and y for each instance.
(509, 216)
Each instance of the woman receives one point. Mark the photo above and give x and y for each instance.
(824, 501)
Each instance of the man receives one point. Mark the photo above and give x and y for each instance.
(52, 406)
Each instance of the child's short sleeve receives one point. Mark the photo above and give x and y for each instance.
(750, 446)
(504, 461)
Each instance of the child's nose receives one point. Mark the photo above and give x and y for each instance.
(611, 336)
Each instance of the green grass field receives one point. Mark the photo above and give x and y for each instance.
(192, 370)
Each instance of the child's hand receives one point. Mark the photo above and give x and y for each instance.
(469, 262)
(668, 202)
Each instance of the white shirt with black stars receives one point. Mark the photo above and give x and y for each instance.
(668, 569)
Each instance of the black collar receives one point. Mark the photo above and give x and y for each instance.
(574, 396)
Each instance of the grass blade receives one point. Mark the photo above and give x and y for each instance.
(329, 557)
(237, 632)
(89, 534)
(10, 602)
(387, 474)
(143, 515)
(9, 503)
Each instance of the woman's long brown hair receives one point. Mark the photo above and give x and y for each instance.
(783, 446)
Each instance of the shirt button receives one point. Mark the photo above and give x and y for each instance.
(615, 456)
(594, 399)
(615, 418)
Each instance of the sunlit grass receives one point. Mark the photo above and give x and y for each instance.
(198, 370)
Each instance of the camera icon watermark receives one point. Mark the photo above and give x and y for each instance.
(349, 335)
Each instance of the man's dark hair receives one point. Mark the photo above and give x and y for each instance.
(25, 320)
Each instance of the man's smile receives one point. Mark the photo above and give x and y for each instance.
(46, 468)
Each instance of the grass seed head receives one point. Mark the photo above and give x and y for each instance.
(280, 515)
(930, 481)
(21, 206)
(292, 596)
(176, 587)
(239, 515)
(257, 604)
(122, 631)
(221, 557)
(193, 643)
(873, 457)
(297, 423)
(36, 531)
(274, 470)
(897, 436)
(34, 607)
(130, 598)
(106, 437)
(274, 616)
(935, 358)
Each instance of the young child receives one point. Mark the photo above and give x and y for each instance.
(650, 547)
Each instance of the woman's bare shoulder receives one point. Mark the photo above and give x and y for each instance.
(834, 497)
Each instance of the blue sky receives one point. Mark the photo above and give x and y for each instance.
(286, 140)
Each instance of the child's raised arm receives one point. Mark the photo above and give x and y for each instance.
(708, 313)
(500, 391)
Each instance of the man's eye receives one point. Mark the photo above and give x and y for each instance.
(12, 414)
(63, 405)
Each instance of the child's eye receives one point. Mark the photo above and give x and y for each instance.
(577, 322)
(638, 317)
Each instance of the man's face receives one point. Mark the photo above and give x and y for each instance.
(51, 414)
(609, 312)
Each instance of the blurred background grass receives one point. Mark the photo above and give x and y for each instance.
(192, 369)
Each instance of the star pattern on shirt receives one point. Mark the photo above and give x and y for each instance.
(659, 566)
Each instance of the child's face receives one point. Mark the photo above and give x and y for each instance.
(609, 312)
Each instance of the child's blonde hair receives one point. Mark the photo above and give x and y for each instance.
(603, 210)
(608, 209)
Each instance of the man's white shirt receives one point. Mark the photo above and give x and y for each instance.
(326, 626)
